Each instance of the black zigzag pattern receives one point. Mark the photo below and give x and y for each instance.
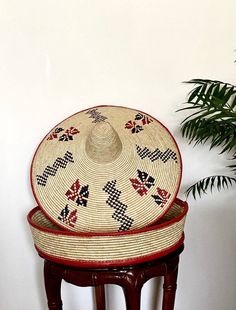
(96, 115)
(120, 208)
(157, 154)
(60, 162)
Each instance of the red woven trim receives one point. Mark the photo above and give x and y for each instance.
(57, 223)
(112, 234)
(111, 263)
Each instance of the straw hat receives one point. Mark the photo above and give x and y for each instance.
(106, 169)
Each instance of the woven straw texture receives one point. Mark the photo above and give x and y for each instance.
(77, 249)
(104, 169)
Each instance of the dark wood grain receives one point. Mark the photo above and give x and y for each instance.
(130, 278)
(100, 297)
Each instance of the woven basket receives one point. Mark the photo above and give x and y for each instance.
(106, 169)
(108, 249)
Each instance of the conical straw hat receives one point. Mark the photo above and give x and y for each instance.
(104, 169)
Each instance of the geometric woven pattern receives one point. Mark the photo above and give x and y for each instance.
(161, 197)
(157, 154)
(142, 183)
(60, 162)
(106, 169)
(120, 208)
(67, 216)
(97, 117)
(78, 193)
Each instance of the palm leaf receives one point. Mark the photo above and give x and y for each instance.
(201, 187)
(212, 107)
(213, 118)
(217, 132)
(210, 91)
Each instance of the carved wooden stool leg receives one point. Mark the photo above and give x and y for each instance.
(52, 287)
(170, 285)
(132, 296)
(100, 297)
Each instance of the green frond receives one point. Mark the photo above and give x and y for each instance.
(213, 114)
(219, 133)
(212, 118)
(201, 187)
(212, 93)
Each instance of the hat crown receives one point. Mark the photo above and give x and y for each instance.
(103, 144)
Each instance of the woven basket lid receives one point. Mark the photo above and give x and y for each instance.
(104, 169)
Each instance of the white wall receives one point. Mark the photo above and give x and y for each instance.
(58, 57)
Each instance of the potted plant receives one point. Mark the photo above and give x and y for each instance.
(213, 119)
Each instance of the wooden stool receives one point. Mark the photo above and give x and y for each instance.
(130, 278)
